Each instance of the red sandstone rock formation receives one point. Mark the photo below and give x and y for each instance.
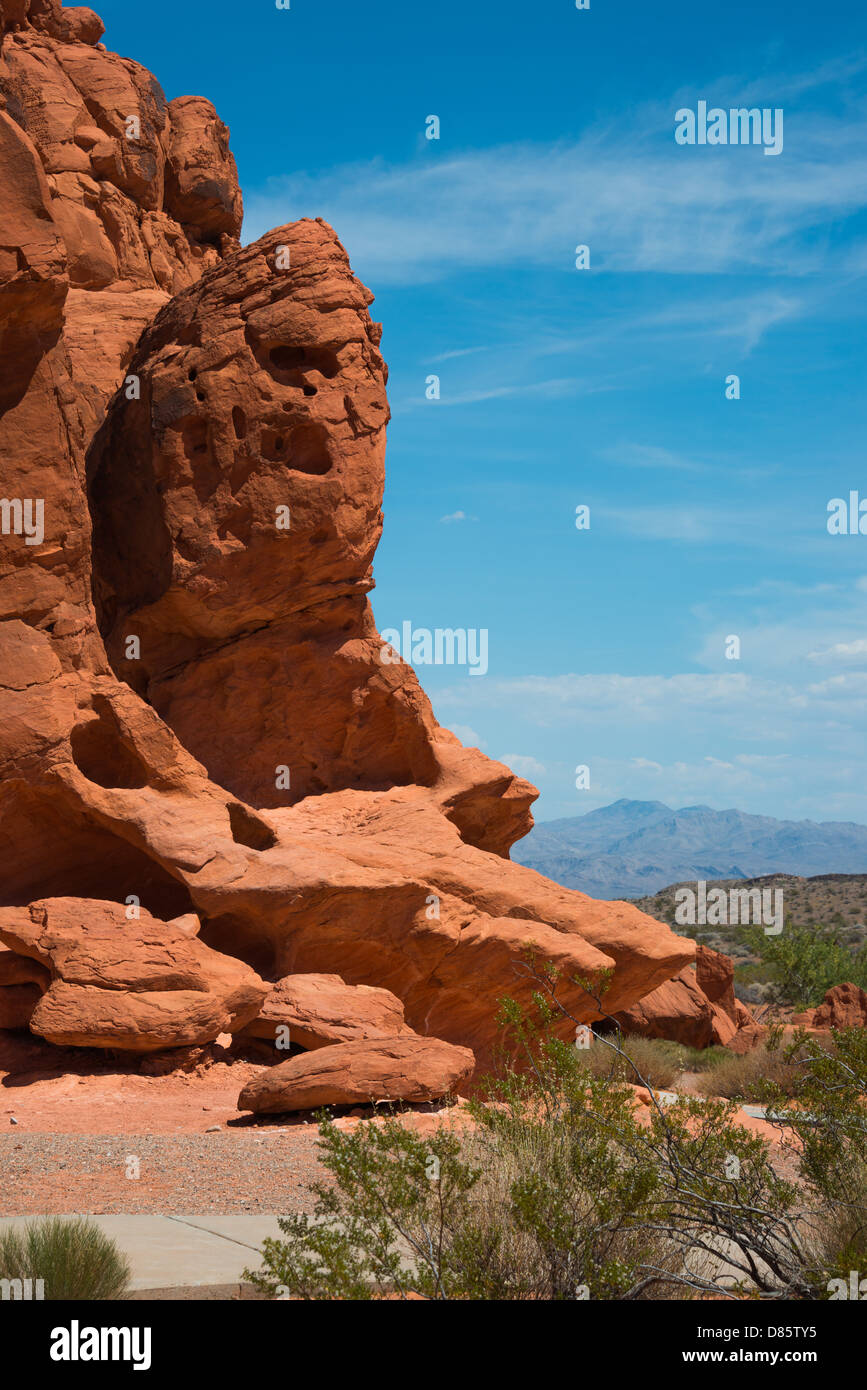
(697, 1008)
(844, 1006)
(355, 1073)
(319, 1010)
(169, 396)
(137, 984)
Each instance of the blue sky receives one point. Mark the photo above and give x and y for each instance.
(605, 386)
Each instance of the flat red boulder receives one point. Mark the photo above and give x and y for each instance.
(319, 1010)
(411, 1069)
(140, 985)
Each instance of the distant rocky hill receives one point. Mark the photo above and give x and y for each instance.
(632, 849)
(830, 900)
(834, 901)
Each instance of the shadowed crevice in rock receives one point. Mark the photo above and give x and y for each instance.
(47, 850)
(101, 755)
(131, 548)
(248, 829)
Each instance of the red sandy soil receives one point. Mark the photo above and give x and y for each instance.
(83, 1091)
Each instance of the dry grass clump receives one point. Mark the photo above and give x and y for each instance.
(659, 1062)
(744, 1078)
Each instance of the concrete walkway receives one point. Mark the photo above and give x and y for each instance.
(176, 1251)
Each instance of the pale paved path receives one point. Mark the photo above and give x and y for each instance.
(175, 1251)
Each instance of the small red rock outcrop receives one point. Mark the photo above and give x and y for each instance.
(410, 1069)
(319, 1010)
(139, 985)
(844, 1006)
(697, 1008)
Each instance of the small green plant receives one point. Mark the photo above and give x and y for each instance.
(73, 1258)
(704, 1059)
(823, 1121)
(658, 1061)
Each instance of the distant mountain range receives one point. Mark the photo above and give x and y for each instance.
(633, 848)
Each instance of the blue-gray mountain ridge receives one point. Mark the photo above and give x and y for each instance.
(632, 848)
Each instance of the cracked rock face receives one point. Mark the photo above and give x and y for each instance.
(194, 708)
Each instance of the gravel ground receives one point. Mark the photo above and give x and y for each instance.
(263, 1171)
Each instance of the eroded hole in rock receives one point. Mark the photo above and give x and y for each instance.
(273, 445)
(206, 477)
(296, 360)
(52, 850)
(248, 829)
(101, 755)
(310, 390)
(239, 422)
(238, 524)
(196, 442)
(239, 937)
(308, 449)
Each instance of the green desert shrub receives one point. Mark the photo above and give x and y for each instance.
(658, 1061)
(703, 1059)
(563, 1189)
(73, 1258)
(822, 1118)
(805, 962)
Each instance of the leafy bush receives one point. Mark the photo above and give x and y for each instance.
(659, 1061)
(566, 1189)
(73, 1257)
(704, 1059)
(805, 962)
(823, 1121)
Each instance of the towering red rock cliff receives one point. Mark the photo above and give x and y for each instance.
(195, 716)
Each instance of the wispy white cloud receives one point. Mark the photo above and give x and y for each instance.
(651, 456)
(524, 765)
(458, 352)
(786, 629)
(841, 651)
(757, 706)
(741, 318)
(553, 389)
(790, 747)
(626, 189)
(468, 735)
